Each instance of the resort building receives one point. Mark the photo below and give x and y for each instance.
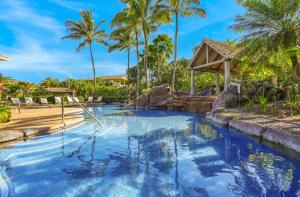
(216, 57)
(118, 80)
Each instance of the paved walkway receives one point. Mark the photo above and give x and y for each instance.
(34, 121)
(284, 131)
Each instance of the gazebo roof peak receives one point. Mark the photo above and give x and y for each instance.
(211, 54)
(227, 50)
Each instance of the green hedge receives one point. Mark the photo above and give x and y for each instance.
(110, 99)
(112, 93)
(5, 114)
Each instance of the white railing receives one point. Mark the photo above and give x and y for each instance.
(86, 110)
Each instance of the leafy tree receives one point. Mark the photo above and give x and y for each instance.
(88, 32)
(127, 21)
(50, 82)
(159, 52)
(4, 80)
(270, 26)
(27, 88)
(124, 40)
(181, 8)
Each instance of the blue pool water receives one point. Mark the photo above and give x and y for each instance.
(146, 153)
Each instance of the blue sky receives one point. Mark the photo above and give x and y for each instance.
(31, 32)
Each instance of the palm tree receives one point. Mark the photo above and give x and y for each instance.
(50, 82)
(128, 22)
(269, 27)
(124, 40)
(149, 15)
(182, 8)
(86, 30)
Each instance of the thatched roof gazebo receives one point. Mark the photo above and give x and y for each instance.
(216, 57)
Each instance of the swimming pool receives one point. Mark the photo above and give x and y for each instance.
(146, 153)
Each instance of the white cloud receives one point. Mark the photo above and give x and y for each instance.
(19, 13)
(72, 5)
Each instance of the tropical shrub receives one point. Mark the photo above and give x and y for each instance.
(5, 114)
(294, 105)
(263, 103)
(146, 90)
(112, 93)
(250, 104)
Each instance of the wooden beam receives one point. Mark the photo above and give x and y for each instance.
(209, 64)
(212, 70)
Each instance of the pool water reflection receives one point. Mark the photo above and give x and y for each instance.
(146, 153)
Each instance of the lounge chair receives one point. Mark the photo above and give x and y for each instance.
(76, 99)
(70, 100)
(90, 99)
(99, 99)
(44, 101)
(17, 102)
(57, 100)
(28, 101)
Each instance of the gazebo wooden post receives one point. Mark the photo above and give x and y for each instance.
(226, 75)
(218, 89)
(192, 82)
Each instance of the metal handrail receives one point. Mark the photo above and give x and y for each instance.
(87, 111)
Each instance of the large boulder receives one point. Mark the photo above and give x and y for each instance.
(160, 95)
(142, 101)
(267, 85)
(251, 90)
(275, 93)
(225, 100)
(160, 90)
(230, 100)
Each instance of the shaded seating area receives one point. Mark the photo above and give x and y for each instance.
(215, 57)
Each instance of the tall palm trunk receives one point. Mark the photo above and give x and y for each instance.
(128, 62)
(158, 70)
(158, 75)
(137, 66)
(146, 58)
(175, 53)
(94, 69)
(128, 66)
(296, 67)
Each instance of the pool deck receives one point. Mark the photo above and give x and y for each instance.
(36, 121)
(283, 131)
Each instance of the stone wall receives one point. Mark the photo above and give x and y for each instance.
(251, 91)
(162, 97)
